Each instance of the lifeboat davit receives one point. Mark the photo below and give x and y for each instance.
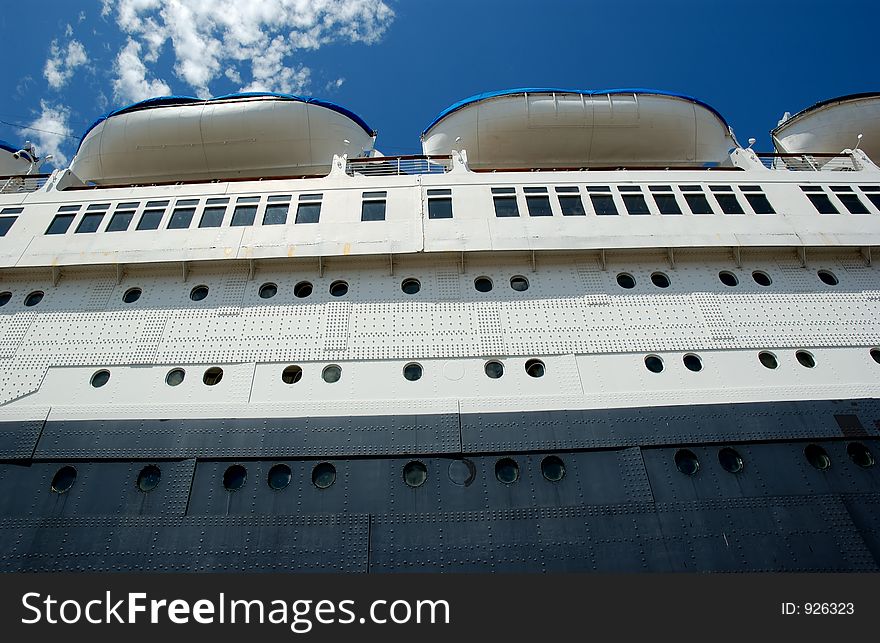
(557, 128)
(14, 160)
(831, 126)
(255, 135)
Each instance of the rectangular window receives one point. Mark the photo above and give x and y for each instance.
(874, 198)
(212, 217)
(276, 213)
(181, 218)
(635, 204)
(852, 203)
(309, 208)
(244, 215)
(571, 205)
(247, 199)
(90, 222)
(60, 223)
(505, 206)
(440, 204)
(567, 189)
(120, 220)
(629, 188)
(667, 204)
(70, 208)
(11, 210)
(217, 201)
(280, 198)
(729, 204)
(760, 203)
(98, 206)
(603, 204)
(811, 188)
(822, 203)
(698, 203)
(538, 202)
(373, 206)
(5, 224)
(151, 219)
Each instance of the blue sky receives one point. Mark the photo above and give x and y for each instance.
(397, 63)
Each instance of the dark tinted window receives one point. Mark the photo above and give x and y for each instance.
(539, 205)
(308, 212)
(150, 219)
(181, 218)
(120, 221)
(212, 217)
(276, 214)
(373, 210)
(635, 204)
(760, 204)
(60, 224)
(505, 206)
(5, 224)
(603, 204)
(698, 203)
(667, 204)
(822, 203)
(729, 204)
(852, 203)
(875, 199)
(90, 222)
(244, 215)
(440, 208)
(571, 205)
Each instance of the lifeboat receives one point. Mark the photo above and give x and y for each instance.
(831, 126)
(256, 135)
(15, 160)
(565, 128)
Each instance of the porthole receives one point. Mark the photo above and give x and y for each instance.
(302, 290)
(660, 280)
(875, 354)
(654, 363)
(686, 462)
(507, 470)
(410, 286)
(761, 278)
(175, 377)
(149, 477)
(552, 468)
(728, 278)
(415, 473)
(5, 297)
(494, 369)
(768, 360)
(860, 454)
(100, 378)
(730, 460)
(279, 477)
(323, 475)
(132, 295)
(234, 477)
(626, 280)
(34, 298)
(339, 288)
(213, 376)
(693, 363)
(519, 283)
(412, 371)
(462, 472)
(483, 284)
(63, 479)
(198, 293)
(292, 374)
(331, 373)
(817, 457)
(535, 368)
(828, 277)
(267, 291)
(805, 359)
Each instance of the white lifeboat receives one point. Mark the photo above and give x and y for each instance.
(565, 128)
(831, 126)
(16, 161)
(255, 135)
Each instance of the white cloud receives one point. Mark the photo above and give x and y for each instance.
(63, 61)
(131, 83)
(334, 84)
(49, 131)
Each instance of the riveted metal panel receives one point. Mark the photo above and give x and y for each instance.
(864, 510)
(199, 544)
(250, 438)
(336, 316)
(19, 439)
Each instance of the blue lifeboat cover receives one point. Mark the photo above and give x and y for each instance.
(9, 147)
(556, 90)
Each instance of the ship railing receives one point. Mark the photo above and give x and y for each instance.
(399, 165)
(12, 184)
(810, 162)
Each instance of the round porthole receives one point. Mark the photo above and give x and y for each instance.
(415, 473)
(483, 284)
(410, 286)
(686, 462)
(728, 278)
(149, 477)
(63, 479)
(100, 378)
(693, 363)
(34, 298)
(494, 369)
(730, 460)
(412, 371)
(507, 470)
(875, 354)
(761, 278)
(768, 360)
(339, 288)
(331, 373)
(817, 457)
(552, 468)
(805, 359)
(234, 477)
(519, 283)
(267, 291)
(654, 363)
(660, 280)
(462, 472)
(279, 477)
(828, 277)
(5, 297)
(302, 290)
(213, 376)
(535, 368)
(323, 475)
(198, 293)
(292, 374)
(860, 454)
(132, 295)
(626, 280)
(175, 377)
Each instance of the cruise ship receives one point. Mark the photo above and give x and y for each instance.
(583, 330)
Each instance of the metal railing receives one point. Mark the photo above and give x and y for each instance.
(810, 162)
(398, 165)
(22, 183)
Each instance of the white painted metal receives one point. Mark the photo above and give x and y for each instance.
(12, 163)
(833, 126)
